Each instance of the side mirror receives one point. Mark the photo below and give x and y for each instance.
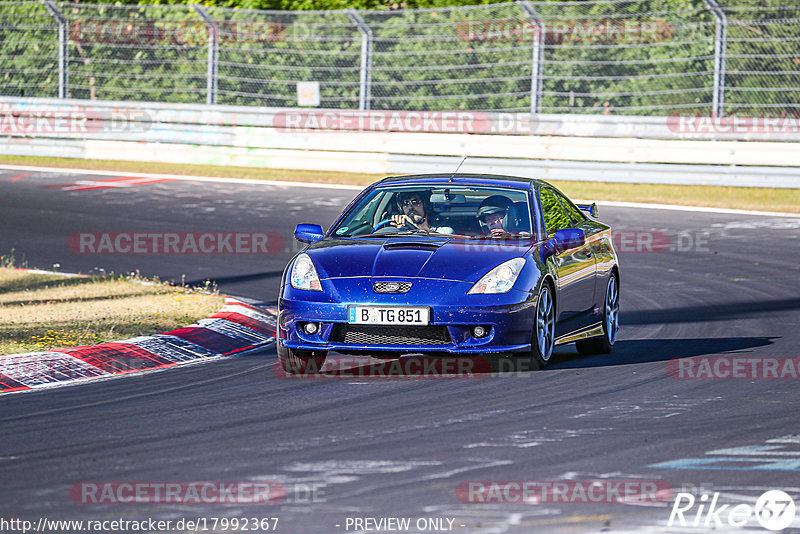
(591, 209)
(569, 238)
(308, 233)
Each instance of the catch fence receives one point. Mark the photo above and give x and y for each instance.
(630, 57)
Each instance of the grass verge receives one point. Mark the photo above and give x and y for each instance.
(217, 171)
(745, 198)
(46, 311)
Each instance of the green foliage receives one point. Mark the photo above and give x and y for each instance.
(555, 217)
(643, 57)
(764, 61)
(29, 52)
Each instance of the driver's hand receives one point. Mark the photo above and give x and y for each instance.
(400, 220)
(499, 232)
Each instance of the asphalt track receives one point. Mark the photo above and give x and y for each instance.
(375, 448)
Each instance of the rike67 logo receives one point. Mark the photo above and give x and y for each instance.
(774, 510)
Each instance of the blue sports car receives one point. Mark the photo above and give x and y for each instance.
(463, 264)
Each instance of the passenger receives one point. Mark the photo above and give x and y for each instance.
(494, 214)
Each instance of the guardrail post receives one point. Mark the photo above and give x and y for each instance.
(720, 38)
(63, 48)
(366, 59)
(213, 53)
(538, 55)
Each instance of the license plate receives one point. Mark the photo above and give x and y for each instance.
(387, 315)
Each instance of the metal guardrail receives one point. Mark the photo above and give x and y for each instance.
(672, 127)
(615, 149)
(642, 173)
(389, 164)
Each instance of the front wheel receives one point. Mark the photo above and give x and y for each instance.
(604, 344)
(544, 328)
(301, 362)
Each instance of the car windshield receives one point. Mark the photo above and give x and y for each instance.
(460, 211)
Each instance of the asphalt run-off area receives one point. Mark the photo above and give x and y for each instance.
(696, 399)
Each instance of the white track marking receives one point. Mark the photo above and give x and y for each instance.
(288, 183)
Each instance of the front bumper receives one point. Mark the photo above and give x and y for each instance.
(508, 318)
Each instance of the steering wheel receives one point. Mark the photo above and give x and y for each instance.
(386, 222)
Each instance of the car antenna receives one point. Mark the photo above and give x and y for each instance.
(459, 166)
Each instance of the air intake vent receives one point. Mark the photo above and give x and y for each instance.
(413, 245)
(390, 335)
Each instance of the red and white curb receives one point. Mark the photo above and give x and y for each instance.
(236, 328)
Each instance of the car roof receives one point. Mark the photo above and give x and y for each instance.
(464, 179)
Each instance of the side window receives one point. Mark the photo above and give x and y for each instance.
(372, 211)
(366, 213)
(574, 213)
(555, 217)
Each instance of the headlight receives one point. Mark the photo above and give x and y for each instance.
(304, 275)
(500, 279)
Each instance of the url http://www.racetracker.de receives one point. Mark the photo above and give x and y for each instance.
(197, 524)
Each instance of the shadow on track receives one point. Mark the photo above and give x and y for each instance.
(711, 312)
(634, 351)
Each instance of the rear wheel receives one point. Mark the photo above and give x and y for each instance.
(604, 344)
(301, 362)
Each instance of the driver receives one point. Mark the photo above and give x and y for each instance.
(416, 213)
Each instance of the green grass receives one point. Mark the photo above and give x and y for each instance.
(218, 171)
(746, 198)
(743, 198)
(40, 312)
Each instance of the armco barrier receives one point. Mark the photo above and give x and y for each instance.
(236, 328)
(376, 163)
(598, 148)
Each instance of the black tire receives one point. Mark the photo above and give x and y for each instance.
(604, 344)
(301, 362)
(544, 327)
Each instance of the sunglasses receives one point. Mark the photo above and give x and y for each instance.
(412, 202)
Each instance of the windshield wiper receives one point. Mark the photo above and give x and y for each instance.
(418, 231)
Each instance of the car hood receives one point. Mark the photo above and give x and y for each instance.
(413, 257)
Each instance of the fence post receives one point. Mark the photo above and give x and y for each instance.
(538, 55)
(366, 59)
(213, 53)
(720, 38)
(63, 48)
